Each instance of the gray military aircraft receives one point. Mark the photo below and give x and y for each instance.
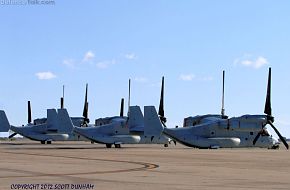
(77, 121)
(134, 129)
(56, 128)
(42, 130)
(219, 131)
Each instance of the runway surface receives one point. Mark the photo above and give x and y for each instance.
(140, 167)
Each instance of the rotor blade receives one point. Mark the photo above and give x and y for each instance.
(12, 135)
(61, 102)
(62, 98)
(86, 119)
(29, 112)
(163, 123)
(85, 112)
(129, 97)
(223, 95)
(256, 138)
(268, 109)
(161, 104)
(122, 108)
(278, 133)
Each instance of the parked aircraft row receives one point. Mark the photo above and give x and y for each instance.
(116, 130)
(201, 131)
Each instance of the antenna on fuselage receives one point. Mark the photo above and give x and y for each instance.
(223, 97)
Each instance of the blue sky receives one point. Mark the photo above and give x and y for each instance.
(104, 43)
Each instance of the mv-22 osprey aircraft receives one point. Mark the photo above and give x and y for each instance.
(219, 131)
(48, 129)
(113, 130)
(134, 129)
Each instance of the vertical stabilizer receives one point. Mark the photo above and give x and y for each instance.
(52, 119)
(136, 119)
(4, 123)
(65, 124)
(152, 123)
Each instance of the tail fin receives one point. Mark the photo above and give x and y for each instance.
(51, 119)
(152, 124)
(136, 119)
(65, 124)
(4, 123)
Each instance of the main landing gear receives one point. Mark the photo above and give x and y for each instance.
(47, 142)
(116, 145)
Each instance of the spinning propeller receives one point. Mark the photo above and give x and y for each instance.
(270, 118)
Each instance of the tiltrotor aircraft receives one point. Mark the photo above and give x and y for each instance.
(55, 128)
(43, 129)
(134, 129)
(219, 131)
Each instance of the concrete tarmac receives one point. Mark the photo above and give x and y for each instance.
(71, 165)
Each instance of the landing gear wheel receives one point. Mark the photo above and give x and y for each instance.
(48, 142)
(109, 145)
(42, 142)
(165, 145)
(117, 146)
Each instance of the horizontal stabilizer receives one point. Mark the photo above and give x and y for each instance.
(4, 123)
